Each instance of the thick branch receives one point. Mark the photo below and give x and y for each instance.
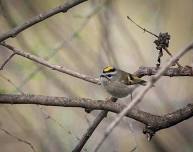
(62, 8)
(171, 72)
(154, 122)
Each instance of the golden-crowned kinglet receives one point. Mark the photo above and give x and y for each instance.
(119, 83)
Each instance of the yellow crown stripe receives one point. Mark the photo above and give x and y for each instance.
(109, 68)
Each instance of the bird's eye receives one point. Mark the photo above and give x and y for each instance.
(109, 75)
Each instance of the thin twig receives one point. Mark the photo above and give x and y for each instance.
(151, 33)
(12, 83)
(145, 30)
(51, 66)
(61, 8)
(6, 61)
(47, 116)
(141, 94)
(19, 139)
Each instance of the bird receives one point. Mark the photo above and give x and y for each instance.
(119, 83)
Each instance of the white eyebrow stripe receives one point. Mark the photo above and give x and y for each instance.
(112, 73)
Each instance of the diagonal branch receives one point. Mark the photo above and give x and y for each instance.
(61, 8)
(6, 61)
(19, 139)
(90, 131)
(51, 66)
(92, 128)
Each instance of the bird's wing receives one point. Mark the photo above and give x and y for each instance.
(135, 80)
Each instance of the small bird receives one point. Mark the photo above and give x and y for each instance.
(119, 83)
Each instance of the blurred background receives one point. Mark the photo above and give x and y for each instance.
(88, 37)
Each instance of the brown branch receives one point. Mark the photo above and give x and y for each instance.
(61, 8)
(144, 29)
(6, 61)
(51, 66)
(171, 72)
(90, 131)
(155, 122)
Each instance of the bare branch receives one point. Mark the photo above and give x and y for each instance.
(171, 72)
(145, 30)
(90, 131)
(151, 33)
(141, 94)
(155, 122)
(19, 139)
(55, 50)
(61, 8)
(6, 61)
(51, 66)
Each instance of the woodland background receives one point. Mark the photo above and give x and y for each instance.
(88, 37)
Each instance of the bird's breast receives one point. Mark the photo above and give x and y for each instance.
(118, 89)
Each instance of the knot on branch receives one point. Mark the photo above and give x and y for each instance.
(149, 131)
(162, 43)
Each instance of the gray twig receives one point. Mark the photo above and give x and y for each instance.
(61, 8)
(151, 33)
(19, 139)
(6, 61)
(47, 64)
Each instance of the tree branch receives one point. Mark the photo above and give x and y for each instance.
(61, 8)
(171, 72)
(154, 122)
(47, 64)
(90, 131)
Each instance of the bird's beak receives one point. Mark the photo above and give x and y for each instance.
(104, 76)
